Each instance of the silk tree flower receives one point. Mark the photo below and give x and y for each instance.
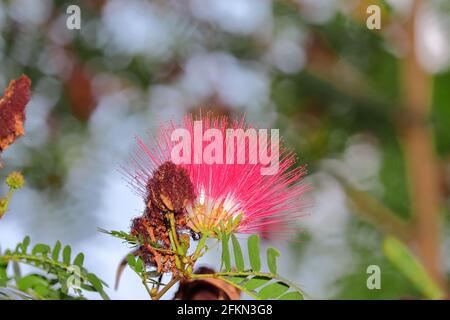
(241, 181)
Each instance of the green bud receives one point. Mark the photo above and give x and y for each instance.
(3, 206)
(15, 180)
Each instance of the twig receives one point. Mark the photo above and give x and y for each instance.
(166, 288)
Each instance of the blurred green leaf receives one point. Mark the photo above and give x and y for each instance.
(66, 254)
(56, 250)
(79, 259)
(41, 248)
(409, 265)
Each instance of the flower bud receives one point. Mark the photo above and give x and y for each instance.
(170, 188)
(15, 180)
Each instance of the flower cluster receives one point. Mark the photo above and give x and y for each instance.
(169, 190)
(12, 111)
(233, 196)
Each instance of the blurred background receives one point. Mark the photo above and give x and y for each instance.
(367, 110)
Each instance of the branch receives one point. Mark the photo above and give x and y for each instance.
(421, 162)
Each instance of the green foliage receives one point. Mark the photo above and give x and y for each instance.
(365, 242)
(57, 275)
(260, 285)
(129, 238)
(273, 290)
(138, 266)
(400, 255)
(394, 179)
(66, 254)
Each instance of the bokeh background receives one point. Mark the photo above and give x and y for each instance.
(367, 110)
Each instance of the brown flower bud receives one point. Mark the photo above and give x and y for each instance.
(170, 188)
(12, 111)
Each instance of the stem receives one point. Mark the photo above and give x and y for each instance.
(166, 288)
(26, 260)
(162, 250)
(201, 244)
(231, 274)
(144, 282)
(4, 202)
(174, 232)
(418, 143)
(135, 241)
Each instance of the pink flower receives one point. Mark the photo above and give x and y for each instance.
(237, 174)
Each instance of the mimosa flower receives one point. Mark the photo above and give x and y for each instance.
(241, 182)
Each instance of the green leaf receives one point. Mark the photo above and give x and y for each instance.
(41, 248)
(25, 244)
(66, 254)
(95, 281)
(3, 275)
(272, 255)
(238, 257)
(256, 282)
(97, 284)
(237, 279)
(87, 287)
(55, 286)
(409, 265)
(273, 286)
(42, 290)
(131, 260)
(79, 259)
(56, 250)
(226, 252)
(139, 267)
(295, 295)
(64, 287)
(240, 283)
(273, 290)
(253, 252)
(31, 281)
